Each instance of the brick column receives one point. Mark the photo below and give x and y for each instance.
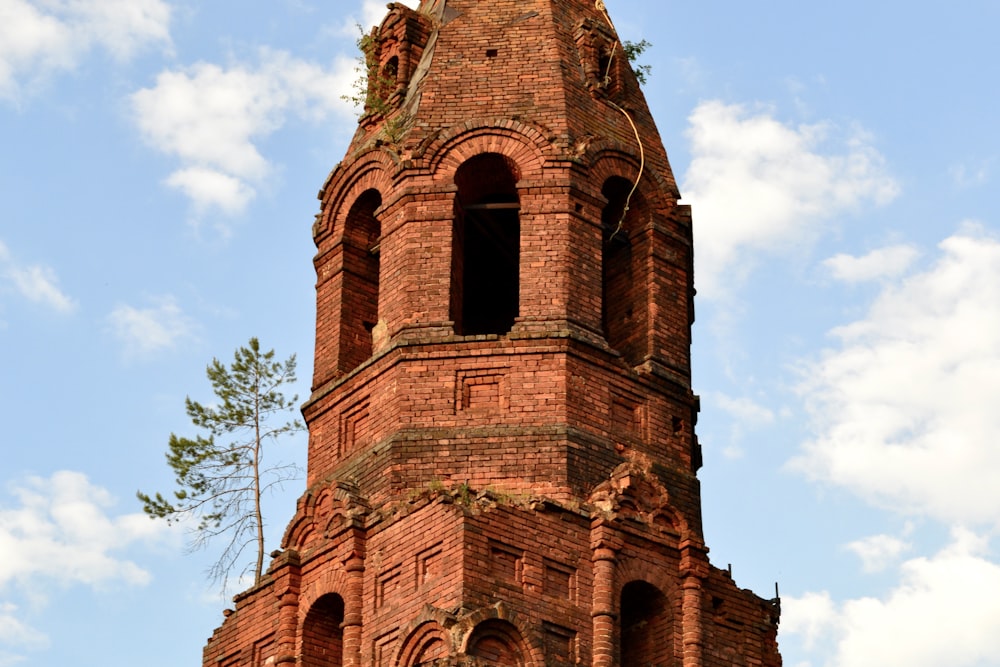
(693, 635)
(416, 263)
(286, 589)
(604, 544)
(355, 567)
(288, 607)
(604, 607)
(694, 570)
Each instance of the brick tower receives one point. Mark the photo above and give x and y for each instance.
(502, 458)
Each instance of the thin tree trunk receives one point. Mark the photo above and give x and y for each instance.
(256, 485)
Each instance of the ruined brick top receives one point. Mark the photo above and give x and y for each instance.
(555, 66)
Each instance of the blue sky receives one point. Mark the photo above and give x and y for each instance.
(159, 163)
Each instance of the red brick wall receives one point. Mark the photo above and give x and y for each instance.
(443, 568)
(523, 493)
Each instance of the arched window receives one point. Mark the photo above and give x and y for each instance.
(322, 636)
(646, 637)
(390, 72)
(624, 293)
(486, 246)
(359, 310)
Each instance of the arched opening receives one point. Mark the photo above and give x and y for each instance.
(389, 78)
(322, 636)
(606, 71)
(359, 307)
(496, 642)
(646, 637)
(486, 246)
(623, 303)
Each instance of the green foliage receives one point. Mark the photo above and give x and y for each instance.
(221, 478)
(632, 51)
(372, 87)
(464, 495)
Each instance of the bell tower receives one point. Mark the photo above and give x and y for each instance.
(502, 457)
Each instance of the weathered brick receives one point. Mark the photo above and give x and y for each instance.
(508, 476)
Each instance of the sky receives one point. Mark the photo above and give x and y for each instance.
(159, 163)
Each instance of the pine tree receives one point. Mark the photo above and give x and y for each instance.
(222, 478)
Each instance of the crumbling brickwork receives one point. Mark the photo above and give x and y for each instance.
(502, 457)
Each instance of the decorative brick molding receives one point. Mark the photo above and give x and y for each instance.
(502, 464)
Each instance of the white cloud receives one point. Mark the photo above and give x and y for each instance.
(373, 11)
(904, 409)
(14, 632)
(40, 285)
(37, 38)
(144, 331)
(760, 187)
(60, 530)
(945, 610)
(744, 409)
(971, 175)
(811, 616)
(877, 552)
(211, 119)
(371, 14)
(886, 262)
(37, 283)
(747, 415)
(207, 187)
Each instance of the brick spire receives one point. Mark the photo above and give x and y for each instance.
(556, 65)
(502, 456)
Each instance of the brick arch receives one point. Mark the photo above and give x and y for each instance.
(508, 629)
(625, 312)
(310, 517)
(524, 144)
(609, 161)
(497, 642)
(627, 250)
(633, 482)
(321, 633)
(485, 268)
(333, 581)
(669, 519)
(373, 170)
(647, 628)
(630, 570)
(646, 596)
(427, 641)
(299, 531)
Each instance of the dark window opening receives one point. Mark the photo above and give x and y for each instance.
(486, 252)
(389, 79)
(604, 69)
(646, 637)
(623, 307)
(609, 70)
(391, 69)
(322, 634)
(359, 307)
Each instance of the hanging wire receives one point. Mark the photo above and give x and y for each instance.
(599, 4)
